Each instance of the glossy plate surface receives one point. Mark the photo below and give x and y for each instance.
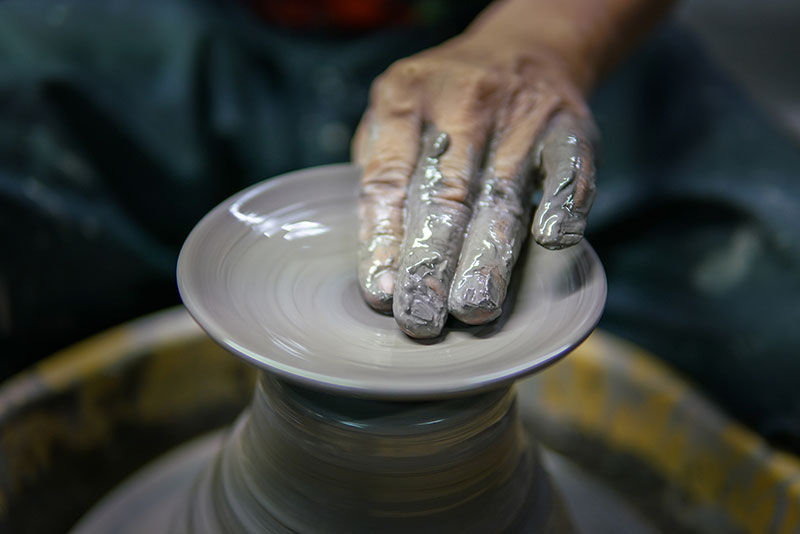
(270, 275)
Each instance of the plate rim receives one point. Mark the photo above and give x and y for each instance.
(358, 387)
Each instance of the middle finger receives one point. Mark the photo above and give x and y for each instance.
(438, 211)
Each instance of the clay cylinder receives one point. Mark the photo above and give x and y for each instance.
(303, 461)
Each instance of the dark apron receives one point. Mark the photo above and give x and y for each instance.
(123, 122)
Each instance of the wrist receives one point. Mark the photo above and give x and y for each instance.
(586, 37)
(571, 38)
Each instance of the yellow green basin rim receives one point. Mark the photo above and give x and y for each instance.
(617, 393)
(607, 389)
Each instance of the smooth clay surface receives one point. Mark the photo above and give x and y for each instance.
(301, 461)
(271, 275)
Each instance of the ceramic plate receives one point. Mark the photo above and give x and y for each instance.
(270, 275)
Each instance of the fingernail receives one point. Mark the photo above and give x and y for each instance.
(557, 229)
(385, 282)
(559, 240)
(478, 298)
(379, 290)
(420, 310)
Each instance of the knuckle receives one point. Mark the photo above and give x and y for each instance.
(579, 143)
(394, 92)
(506, 188)
(524, 103)
(480, 85)
(392, 173)
(404, 73)
(508, 173)
(453, 194)
(380, 202)
(506, 196)
(405, 69)
(455, 184)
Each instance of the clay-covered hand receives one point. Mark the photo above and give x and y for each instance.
(453, 145)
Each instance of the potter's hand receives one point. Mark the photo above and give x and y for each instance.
(458, 137)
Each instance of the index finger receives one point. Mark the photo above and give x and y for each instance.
(387, 168)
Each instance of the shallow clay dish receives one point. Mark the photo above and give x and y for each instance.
(270, 275)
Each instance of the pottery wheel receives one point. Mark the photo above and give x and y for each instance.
(270, 275)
